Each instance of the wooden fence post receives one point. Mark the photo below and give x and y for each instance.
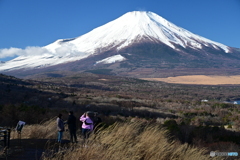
(8, 137)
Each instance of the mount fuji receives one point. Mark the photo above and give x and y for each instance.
(138, 40)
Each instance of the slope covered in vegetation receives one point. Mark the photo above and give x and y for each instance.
(179, 109)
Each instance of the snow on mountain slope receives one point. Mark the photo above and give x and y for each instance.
(37, 61)
(132, 25)
(119, 33)
(112, 59)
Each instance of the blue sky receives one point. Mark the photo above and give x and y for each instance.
(26, 23)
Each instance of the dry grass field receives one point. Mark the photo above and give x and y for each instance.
(129, 140)
(200, 79)
(136, 139)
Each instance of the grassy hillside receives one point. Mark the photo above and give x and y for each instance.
(136, 139)
(178, 109)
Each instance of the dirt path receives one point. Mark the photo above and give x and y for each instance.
(31, 149)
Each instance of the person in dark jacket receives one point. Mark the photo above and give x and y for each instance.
(97, 120)
(72, 127)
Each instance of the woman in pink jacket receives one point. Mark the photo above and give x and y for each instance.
(87, 125)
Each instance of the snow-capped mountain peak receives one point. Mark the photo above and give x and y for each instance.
(130, 28)
(134, 25)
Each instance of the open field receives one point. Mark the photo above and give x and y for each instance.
(191, 124)
(200, 79)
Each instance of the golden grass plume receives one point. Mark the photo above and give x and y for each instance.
(132, 141)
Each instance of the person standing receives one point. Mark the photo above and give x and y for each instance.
(60, 127)
(72, 127)
(87, 125)
(97, 121)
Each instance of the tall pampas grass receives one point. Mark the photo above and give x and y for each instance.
(131, 141)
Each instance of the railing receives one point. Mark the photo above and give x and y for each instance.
(5, 137)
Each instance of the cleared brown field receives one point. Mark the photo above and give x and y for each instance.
(200, 79)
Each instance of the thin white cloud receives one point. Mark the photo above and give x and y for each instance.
(38, 57)
(13, 52)
(35, 51)
(64, 50)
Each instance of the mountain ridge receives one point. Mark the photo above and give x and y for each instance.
(142, 40)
